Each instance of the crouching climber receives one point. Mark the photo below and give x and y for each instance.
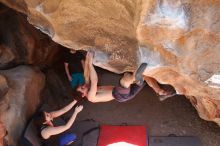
(46, 128)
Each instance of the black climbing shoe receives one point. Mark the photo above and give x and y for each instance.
(138, 75)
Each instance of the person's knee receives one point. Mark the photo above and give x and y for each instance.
(127, 80)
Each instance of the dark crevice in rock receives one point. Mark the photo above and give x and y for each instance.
(21, 43)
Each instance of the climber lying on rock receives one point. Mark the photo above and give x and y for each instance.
(130, 85)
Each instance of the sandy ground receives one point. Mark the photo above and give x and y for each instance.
(172, 116)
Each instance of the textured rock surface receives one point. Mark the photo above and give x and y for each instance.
(2, 133)
(21, 100)
(21, 43)
(179, 39)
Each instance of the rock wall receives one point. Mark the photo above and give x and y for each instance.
(24, 50)
(21, 43)
(20, 90)
(179, 39)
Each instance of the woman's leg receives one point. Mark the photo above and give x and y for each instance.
(103, 95)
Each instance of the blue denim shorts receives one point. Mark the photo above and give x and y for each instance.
(77, 79)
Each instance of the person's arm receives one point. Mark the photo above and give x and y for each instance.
(86, 69)
(62, 111)
(83, 64)
(93, 78)
(67, 71)
(49, 131)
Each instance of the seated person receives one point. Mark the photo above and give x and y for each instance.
(124, 92)
(74, 65)
(46, 128)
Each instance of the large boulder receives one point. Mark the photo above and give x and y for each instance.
(21, 43)
(21, 88)
(179, 39)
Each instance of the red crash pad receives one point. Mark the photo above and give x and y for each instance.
(123, 136)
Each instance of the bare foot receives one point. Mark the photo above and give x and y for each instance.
(163, 95)
(163, 92)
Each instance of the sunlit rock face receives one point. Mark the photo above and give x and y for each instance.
(20, 88)
(179, 39)
(107, 26)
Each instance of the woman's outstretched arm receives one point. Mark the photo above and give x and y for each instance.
(49, 131)
(62, 111)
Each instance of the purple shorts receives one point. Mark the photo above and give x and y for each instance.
(124, 94)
